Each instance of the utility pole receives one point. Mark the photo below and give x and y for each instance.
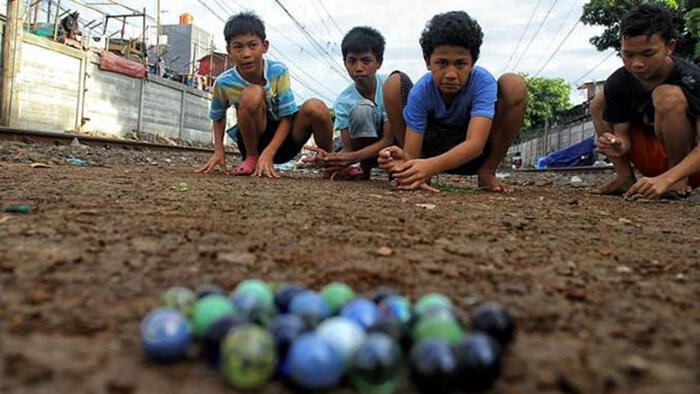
(158, 37)
(12, 43)
(55, 23)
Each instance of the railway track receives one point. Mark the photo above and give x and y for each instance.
(568, 169)
(47, 137)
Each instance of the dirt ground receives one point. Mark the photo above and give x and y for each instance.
(605, 292)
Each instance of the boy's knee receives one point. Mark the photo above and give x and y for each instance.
(363, 109)
(669, 100)
(513, 89)
(315, 108)
(252, 98)
(393, 83)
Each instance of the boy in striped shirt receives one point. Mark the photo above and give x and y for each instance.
(271, 127)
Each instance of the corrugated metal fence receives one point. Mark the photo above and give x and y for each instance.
(553, 139)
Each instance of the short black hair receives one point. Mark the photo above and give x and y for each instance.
(244, 23)
(362, 39)
(647, 20)
(452, 28)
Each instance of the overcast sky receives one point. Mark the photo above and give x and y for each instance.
(401, 22)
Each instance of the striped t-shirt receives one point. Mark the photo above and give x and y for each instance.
(278, 93)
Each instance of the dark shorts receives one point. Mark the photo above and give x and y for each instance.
(439, 138)
(287, 151)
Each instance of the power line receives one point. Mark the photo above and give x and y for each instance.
(135, 11)
(539, 28)
(331, 40)
(281, 54)
(331, 18)
(522, 35)
(594, 67)
(314, 43)
(561, 26)
(558, 47)
(291, 75)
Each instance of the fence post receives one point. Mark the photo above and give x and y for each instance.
(142, 99)
(12, 55)
(183, 109)
(81, 92)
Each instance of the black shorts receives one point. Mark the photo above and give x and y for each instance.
(287, 151)
(439, 138)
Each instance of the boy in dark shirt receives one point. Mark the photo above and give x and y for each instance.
(648, 112)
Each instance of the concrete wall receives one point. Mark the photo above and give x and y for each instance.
(112, 101)
(557, 138)
(60, 88)
(48, 91)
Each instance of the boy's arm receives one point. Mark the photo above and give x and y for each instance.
(219, 156)
(265, 166)
(371, 151)
(615, 144)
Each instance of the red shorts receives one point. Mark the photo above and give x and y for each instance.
(649, 156)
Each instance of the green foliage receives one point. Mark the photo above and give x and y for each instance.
(547, 98)
(609, 13)
(692, 23)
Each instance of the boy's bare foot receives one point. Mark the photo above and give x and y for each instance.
(617, 185)
(490, 183)
(247, 167)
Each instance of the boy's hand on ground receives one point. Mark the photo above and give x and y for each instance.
(649, 187)
(266, 166)
(217, 159)
(610, 145)
(411, 174)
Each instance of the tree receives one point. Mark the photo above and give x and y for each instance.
(547, 98)
(609, 13)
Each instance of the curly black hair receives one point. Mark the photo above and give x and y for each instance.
(244, 23)
(647, 20)
(361, 39)
(451, 28)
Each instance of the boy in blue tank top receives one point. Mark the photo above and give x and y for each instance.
(457, 118)
(359, 109)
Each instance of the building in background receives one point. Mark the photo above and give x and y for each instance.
(186, 44)
(221, 62)
(592, 89)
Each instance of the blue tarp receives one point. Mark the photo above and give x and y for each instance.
(581, 154)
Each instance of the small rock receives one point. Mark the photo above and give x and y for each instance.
(680, 278)
(426, 206)
(623, 269)
(694, 197)
(576, 294)
(38, 296)
(76, 143)
(576, 181)
(236, 258)
(636, 365)
(543, 182)
(384, 251)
